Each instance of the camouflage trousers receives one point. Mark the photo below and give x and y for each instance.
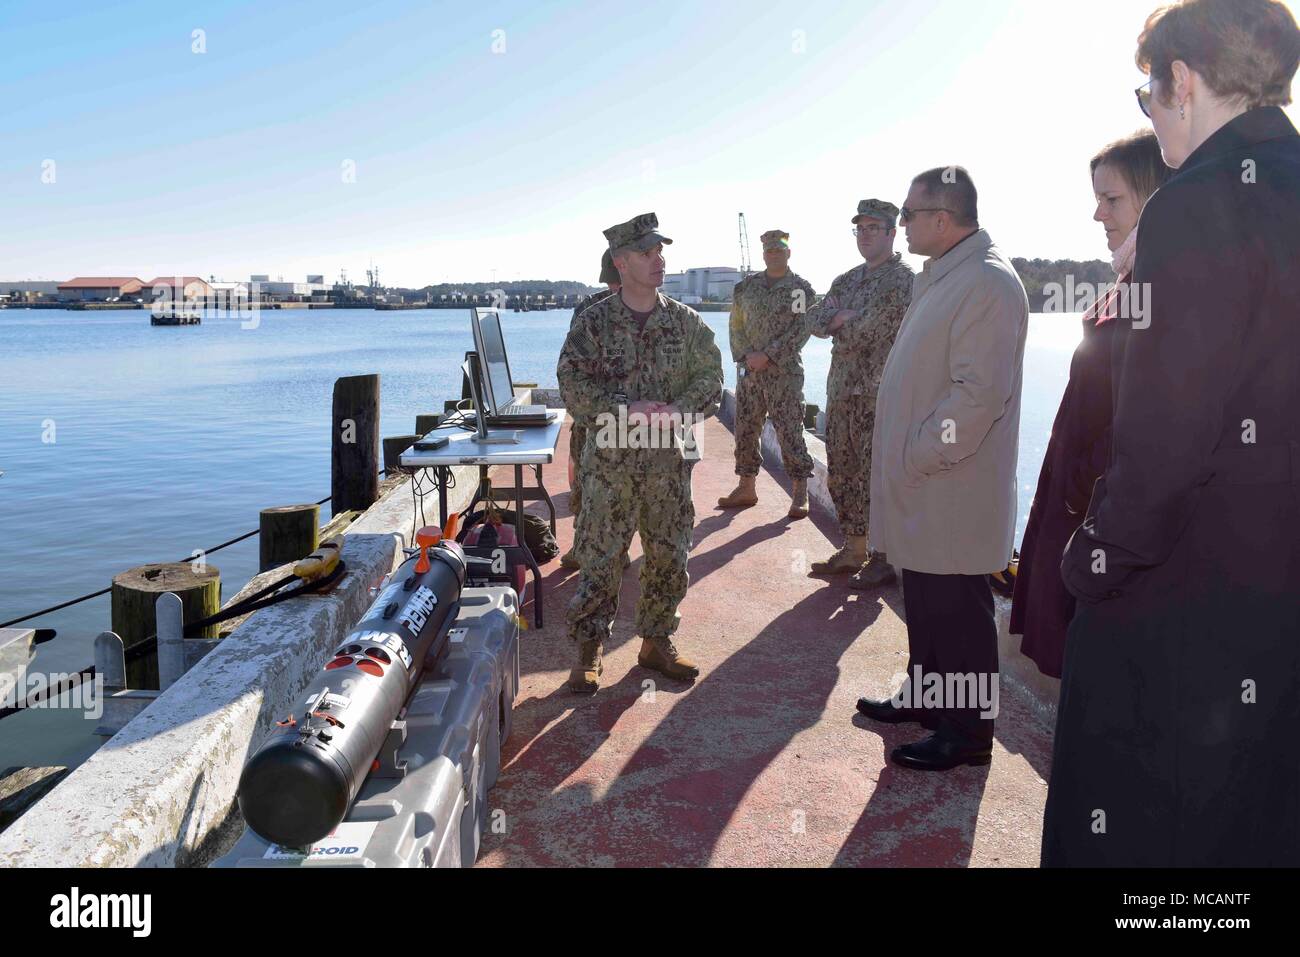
(779, 396)
(850, 420)
(577, 439)
(657, 504)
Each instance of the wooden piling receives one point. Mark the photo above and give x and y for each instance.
(287, 533)
(354, 443)
(134, 595)
(427, 422)
(394, 446)
(810, 416)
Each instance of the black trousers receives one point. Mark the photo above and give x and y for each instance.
(952, 636)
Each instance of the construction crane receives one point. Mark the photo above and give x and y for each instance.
(744, 248)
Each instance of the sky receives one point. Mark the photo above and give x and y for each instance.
(494, 141)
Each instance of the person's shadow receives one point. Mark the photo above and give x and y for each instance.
(914, 818)
(540, 756)
(673, 797)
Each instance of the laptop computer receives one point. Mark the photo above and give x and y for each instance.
(502, 408)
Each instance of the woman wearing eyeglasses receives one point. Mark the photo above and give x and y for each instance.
(1176, 739)
(1124, 175)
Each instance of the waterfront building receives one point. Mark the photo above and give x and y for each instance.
(702, 284)
(177, 288)
(279, 289)
(29, 291)
(100, 288)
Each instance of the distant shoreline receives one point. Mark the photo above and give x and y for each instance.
(405, 307)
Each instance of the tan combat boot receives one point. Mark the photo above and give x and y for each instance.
(799, 499)
(659, 654)
(586, 674)
(876, 573)
(743, 496)
(850, 557)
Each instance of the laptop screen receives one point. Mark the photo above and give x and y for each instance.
(496, 368)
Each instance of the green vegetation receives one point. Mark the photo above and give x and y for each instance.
(1037, 273)
(532, 288)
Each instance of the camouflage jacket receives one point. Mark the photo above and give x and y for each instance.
(607, 362)
(771, 318)
(594, 298)
(880, 298)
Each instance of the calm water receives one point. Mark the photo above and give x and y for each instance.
(122, 443)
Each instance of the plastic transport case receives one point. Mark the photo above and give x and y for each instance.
(426, 805)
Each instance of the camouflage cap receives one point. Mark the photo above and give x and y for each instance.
(639, 232)
(775, 239)
(877, 209)
(608, 273)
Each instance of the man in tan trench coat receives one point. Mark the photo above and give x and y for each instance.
(943, 470)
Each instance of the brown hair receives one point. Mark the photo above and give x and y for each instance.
(953, 187)
(1247, 50)
(1138, 159)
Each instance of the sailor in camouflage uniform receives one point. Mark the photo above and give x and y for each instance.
(578, 434)
(769, 327)
(862, 312)
(633, 357)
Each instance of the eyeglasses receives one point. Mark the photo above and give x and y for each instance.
(868, 230)
(1143, 94)
(906, 214)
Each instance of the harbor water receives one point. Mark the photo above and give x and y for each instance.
(123, 443)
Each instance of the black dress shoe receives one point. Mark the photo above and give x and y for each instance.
(890, 713)
(939, 753)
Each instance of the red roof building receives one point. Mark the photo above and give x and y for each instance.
(177, 287)
(87, 288)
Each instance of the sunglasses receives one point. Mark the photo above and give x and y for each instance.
(907, 214)
(1143, 94)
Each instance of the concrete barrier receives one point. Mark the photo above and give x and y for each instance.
(161, 792)
(1019, 674)
(819, 493)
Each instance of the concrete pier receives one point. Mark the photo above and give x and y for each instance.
(760, 762)
(763, 760)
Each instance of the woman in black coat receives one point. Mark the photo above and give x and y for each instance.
(1124, 175)
(1176, 740)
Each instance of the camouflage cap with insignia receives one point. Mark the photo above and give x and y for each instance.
(877, 209)
(640, 232)
(608, 274)
(775, 239)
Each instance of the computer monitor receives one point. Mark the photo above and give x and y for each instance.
(491, 346)
(470, 369)
(474, 375)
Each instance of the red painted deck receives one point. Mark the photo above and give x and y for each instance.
(763, 760)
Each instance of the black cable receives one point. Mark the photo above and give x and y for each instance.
(419, 490)
(254, 602)
(46, 611)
